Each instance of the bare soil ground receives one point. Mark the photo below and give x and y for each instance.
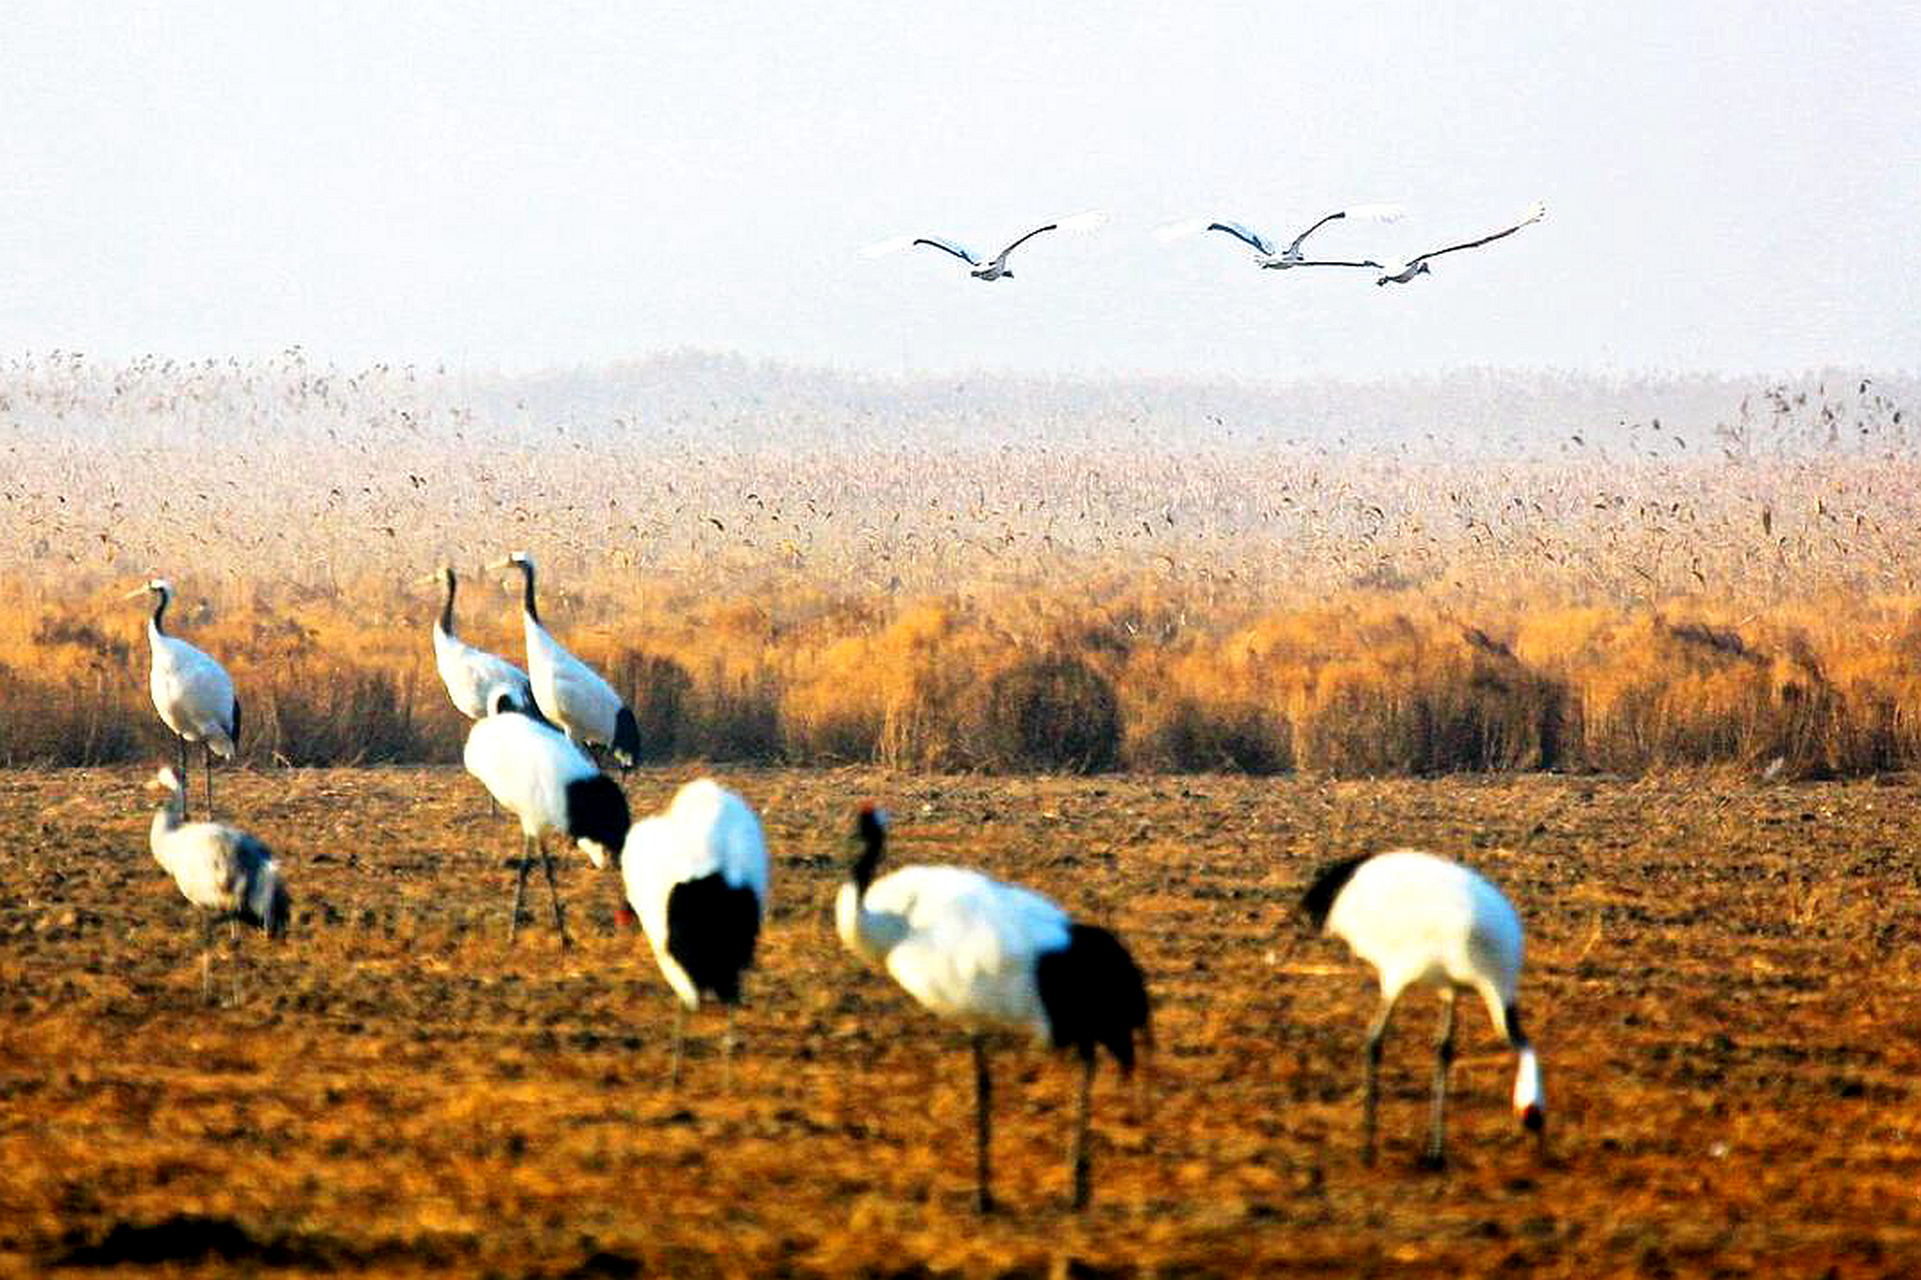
(1722, 978)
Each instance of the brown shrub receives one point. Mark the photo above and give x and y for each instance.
(1187, 735)
(1052, 712)
(1429, 707)
(661, 694)
(76, 718)
(738, 717)
(332, 713)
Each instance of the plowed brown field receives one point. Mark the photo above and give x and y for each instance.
(1722, 979)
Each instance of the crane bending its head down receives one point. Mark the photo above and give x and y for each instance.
(1423, 920)
(225, 873)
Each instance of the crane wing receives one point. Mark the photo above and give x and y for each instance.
(1535, 214)
(946, 246)
(1180, 230)
(1002, 255)
(1246, 235)
(1363, 212)
(970, 941)
(1324, 220)
(192, 692)
(881, 248)
(470, 674)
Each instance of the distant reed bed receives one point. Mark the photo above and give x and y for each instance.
(805, 585)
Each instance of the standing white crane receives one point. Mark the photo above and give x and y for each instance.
(193, 693)
(470, 674)
(547, 782)
(991, 955)
(994, 268)
(569, 692)
(1423, 920)
(223, 871)
(696, 875)
(1266, 254)
(1403, 272)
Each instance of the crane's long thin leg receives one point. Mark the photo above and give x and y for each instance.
(233, 952)
(727, 1053)
(1077, 1159)
(186, 780)
(1376, 1033)
(520, 891)
(236, 962)
(680, 1027)
(206, 959)
(207, 751)
(553, 890)
(1443, 1059)
(1144, 1089)
(983, 1126)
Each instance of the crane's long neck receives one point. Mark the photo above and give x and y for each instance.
(166, 820)
(159, 612)
(868, 933)
(447, 609)
(873, 839)
(527, 591)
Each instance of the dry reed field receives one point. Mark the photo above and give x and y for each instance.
(1722, 979)
(775, 570)
(1156, 650)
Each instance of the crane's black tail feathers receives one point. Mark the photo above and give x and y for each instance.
(711, 930)
(597, 811)
(626, 745)
(279, 912)
(1094, 994)
(264, 901)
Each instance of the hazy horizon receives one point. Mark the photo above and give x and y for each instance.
(522, 194)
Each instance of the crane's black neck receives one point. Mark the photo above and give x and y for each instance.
(527, 590)
(159, 609)
(872, 834)
(1328, 882)
(447, 609)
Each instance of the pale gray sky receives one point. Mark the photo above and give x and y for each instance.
(1732, 187)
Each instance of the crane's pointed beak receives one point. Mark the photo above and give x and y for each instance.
(136, 593)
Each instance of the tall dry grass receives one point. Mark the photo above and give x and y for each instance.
(1367, 683)
(1625, 599)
